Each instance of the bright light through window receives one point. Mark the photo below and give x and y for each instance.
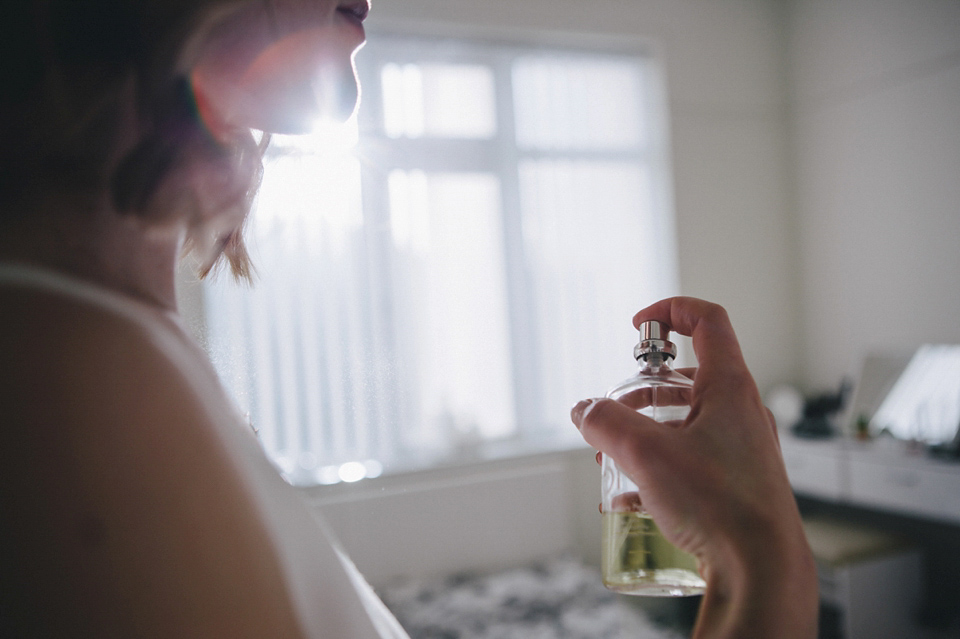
(438, 100)
(328, 137)
(580, 103)
(453, 316)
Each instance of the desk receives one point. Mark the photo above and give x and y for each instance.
(883, 476)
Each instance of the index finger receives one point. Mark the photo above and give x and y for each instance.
(714, 341)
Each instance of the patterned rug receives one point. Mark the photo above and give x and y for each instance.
(557, 599)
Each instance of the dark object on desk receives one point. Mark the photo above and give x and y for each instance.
(817, 411)
(949, 451)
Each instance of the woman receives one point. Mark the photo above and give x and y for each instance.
(133, 499)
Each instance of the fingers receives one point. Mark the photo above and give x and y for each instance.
(625, 503)
(612, 427)
(707, 323)
(579, 412)
(714, 341)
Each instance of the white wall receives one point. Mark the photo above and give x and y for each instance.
(876, 98)
(725, 89)
(482, 517)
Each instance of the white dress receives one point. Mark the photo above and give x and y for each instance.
(330, 595)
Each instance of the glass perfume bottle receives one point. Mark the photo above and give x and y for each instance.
(636, 559)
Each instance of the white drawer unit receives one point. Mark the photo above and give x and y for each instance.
(814, 468)
(919, 487)
(883, 476)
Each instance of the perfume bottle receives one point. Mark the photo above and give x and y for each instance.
(636, 559)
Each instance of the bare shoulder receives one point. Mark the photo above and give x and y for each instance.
(118, 499)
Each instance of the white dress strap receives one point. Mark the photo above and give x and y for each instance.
(25, 276)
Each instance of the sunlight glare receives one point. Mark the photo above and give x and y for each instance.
(328, 137)
(352, 472)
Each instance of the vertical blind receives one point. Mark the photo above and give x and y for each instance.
(446, 274)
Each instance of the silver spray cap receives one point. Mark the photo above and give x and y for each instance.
(653, 339)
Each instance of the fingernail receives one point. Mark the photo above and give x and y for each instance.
(581, 410)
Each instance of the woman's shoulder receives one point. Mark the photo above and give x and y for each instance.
(67, 339)
(116, 483)
(70, 352)
(103, 378)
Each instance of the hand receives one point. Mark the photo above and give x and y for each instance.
(716, 485)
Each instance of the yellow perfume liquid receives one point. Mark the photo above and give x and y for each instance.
(636, 559)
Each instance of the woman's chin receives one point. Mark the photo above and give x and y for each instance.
(297, 81)
(298, 111)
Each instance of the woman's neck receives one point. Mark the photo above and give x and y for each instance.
(117, 252)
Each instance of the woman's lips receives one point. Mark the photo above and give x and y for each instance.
(355, 11)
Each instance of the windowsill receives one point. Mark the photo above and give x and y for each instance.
(478, 458)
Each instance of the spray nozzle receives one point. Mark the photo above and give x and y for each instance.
(653, 339)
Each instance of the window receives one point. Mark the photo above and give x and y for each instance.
(444, 277)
